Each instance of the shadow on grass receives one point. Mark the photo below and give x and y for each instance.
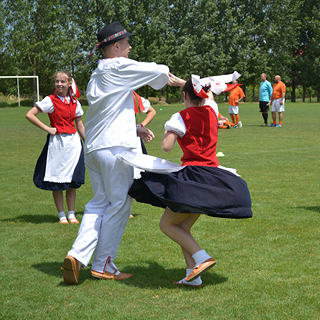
(156, 276)
(54, 269)
(314, 209)
(36, 218)
(151, 276)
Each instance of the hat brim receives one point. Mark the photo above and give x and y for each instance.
(105, 44)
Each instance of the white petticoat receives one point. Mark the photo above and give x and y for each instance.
(145, 162)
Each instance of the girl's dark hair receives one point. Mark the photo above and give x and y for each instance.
(188, 89)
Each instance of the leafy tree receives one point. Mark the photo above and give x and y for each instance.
(39, 37)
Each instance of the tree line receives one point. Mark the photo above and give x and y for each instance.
(212, 37)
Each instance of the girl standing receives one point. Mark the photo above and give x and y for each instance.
(200, 187)
(61, 163)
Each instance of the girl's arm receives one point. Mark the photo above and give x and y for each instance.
(32, 117)
(80, 128)
(168, 141)
(151, 113)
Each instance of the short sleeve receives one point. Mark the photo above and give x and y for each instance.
(270, 89)
(213, 105)
(146, 105)
(283, 87)
(79, 111)
(176, 125)
(45, 105)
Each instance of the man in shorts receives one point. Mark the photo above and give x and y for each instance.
(277, 100)
(265, 94)
(236, 96)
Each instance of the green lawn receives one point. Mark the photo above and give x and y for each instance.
(267, 266)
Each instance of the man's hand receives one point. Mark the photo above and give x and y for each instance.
(145, 134)
(175, 81)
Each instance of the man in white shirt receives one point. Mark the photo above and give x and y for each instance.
(110, 130)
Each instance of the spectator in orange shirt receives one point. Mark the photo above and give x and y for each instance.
(277, 101)
(236, 96)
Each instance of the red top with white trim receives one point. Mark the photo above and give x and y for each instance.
(199, 143)
(63, 115)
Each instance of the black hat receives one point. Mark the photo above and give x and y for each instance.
(111, 34)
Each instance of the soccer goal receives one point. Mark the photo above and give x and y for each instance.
(19, 77)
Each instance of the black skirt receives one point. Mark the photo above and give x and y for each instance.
(195, 189)
(143, 147)
(39, 173)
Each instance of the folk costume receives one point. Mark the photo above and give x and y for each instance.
(200, 187)
(61, 163)
(110, 131)
(141, 105)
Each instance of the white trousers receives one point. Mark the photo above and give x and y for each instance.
(107, 213)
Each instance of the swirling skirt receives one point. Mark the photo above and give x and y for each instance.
(195, 189)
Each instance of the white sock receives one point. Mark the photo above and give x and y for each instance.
(199, 257)
(71, 215)
(195, 282)
(62, 215)
(111, 267)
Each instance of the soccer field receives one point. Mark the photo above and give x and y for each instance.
(267, 266)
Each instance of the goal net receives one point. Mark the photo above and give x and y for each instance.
(19, 77)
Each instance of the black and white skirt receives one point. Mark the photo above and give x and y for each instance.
(78, 176)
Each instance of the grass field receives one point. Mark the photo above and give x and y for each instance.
(267, 266)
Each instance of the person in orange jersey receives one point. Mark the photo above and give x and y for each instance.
(224, 122)
(236, 96)
(277, 101)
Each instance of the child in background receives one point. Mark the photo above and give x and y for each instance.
(142, 106)
(61, 163)
(199, 188)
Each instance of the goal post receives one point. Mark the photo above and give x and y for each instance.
(18, 77)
